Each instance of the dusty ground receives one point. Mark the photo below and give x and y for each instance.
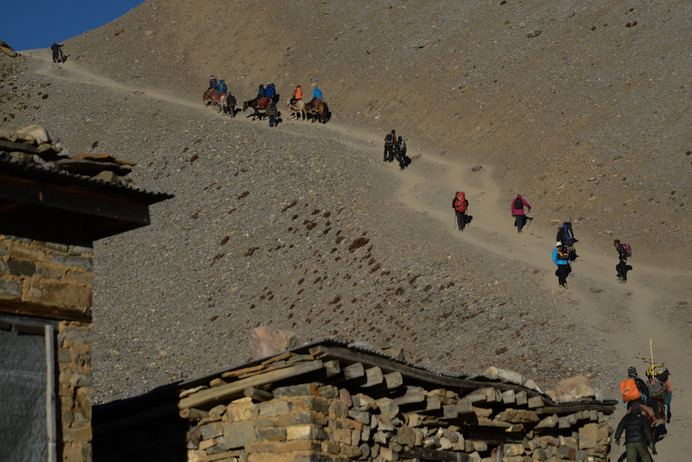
(260, 229)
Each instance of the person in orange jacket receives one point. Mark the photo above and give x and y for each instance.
(297, 95)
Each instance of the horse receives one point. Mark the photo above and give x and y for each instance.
(227, 104)
(257, 105)
(318, 109)
(211, 96)
(297, 109)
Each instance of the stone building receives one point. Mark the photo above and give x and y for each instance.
(331, 401)
(52, 209)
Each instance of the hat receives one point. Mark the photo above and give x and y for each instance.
(632, 371)
(558, 244)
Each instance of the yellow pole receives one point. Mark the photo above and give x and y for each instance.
(651, 350)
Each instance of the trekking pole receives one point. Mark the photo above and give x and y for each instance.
(651, 350)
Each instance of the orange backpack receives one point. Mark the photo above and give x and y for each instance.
(629, 389)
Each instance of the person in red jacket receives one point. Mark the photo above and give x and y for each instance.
(517, 207)
(460, 205)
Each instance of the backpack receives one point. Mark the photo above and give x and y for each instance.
(401, 145)
(518, 204)
(389, 140)
(629, 390)
(657, 389)
(627, 249)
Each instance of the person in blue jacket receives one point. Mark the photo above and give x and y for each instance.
(222, 87)
(561, 259)
(270, 91)
(316, 93)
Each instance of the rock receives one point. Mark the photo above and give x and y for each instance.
(36, 132)
(476, 168)
(574, 389)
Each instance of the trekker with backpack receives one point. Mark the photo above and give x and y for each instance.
(460, 205)
(561, 259)
(517, 207)
(624, 252)
(638, 437)
(272, 112)
(389, 146)
(400, 153)
(634, 389)
(565, 235)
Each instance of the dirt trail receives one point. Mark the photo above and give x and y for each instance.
(627, 315)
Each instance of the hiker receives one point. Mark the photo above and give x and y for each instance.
(460, 205)
(389, 146)
(57, 52)
(641, 385)
(660, 391)
(561, 259)
(400, 153)
(565, 234)
(624, 251)
(638, 437)
(272, 113)
(297, 95)
(517, 208)
(213, 83)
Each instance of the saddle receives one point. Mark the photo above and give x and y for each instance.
(263, 102)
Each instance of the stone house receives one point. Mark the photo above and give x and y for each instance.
(331, 401)
(52, 209)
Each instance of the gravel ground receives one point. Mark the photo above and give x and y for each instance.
(297, 230)
(302, 227)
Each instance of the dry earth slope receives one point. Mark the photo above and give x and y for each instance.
(233, 249)
(581, 106)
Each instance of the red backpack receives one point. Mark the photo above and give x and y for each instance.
(460, 203)
(629, 390)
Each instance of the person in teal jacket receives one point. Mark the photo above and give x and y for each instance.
(317, 94)
(561, 259)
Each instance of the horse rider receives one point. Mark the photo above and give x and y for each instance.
(213, 83)
(261, 93)
(316, 94)
(270, 91)
(222, 87)
(297, 95)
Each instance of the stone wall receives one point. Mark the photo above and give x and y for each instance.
(36, 274)
(55, 281)
(74, 392)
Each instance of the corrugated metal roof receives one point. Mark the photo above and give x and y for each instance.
(51, 173)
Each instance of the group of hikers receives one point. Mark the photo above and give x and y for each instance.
(648, 412)
(395, 149)
(564, 252)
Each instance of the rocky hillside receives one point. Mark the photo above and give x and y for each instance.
(580, 106)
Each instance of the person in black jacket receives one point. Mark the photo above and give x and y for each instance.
(641, 386)
(638, 437)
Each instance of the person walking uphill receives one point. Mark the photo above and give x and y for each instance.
(460, 205)
(624, 252)
(272, 112)
(638, 437)
(57, 52)
(517, 207)
(561, 259)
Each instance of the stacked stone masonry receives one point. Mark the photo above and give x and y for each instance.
(346, 416)
(46, 274)
(51, 280)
